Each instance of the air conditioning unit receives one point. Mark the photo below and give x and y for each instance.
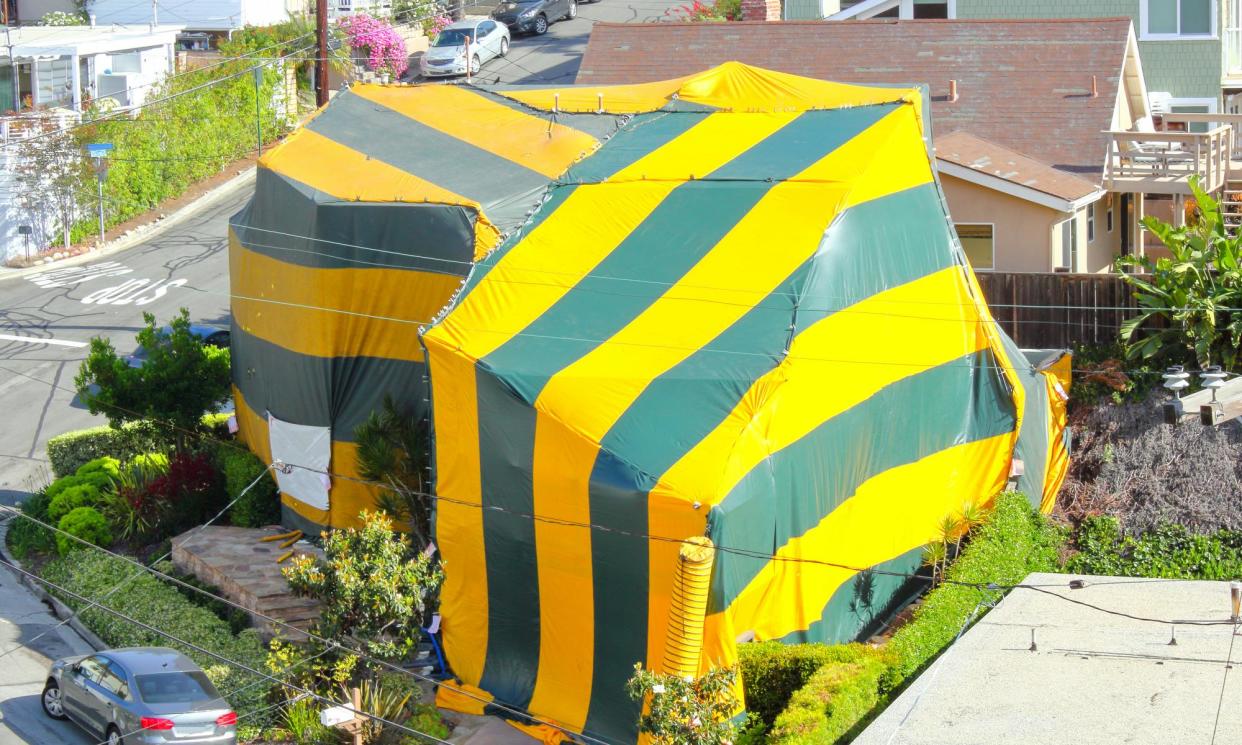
(115, 86)
(1161, 102)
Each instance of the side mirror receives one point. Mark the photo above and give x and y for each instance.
(76, 668)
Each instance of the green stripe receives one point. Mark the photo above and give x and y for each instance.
(672, 239)
(505, 189)
(506, 455)
(959, 402)
(291, 222)
(616, 154)
(336, 392)
(663, 248)
(864, 602)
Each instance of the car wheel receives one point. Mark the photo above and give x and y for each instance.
(475, 65)
(541, 25)
(53, 704)
(504, 47)
(114, 735)
(573, 10)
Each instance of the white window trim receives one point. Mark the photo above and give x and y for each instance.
(991, 225)
(1056, 259)
(1091, 222)
(871, 8)
(1110, 221)
(1144, 35)
(1210, 103)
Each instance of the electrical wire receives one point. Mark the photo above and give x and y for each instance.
(278, 622)
(134, 576)
(233, 663)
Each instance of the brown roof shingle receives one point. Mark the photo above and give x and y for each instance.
(1023, 84)
(977, 154)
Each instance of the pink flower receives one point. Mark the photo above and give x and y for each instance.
(385, 48)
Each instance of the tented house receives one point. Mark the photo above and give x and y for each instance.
(729, 307)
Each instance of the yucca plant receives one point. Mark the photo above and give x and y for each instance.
(134, 509)
(394, 448)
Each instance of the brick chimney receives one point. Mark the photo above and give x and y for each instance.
(761, 10)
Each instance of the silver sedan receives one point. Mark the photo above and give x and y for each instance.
(479, 40)
(139, 696)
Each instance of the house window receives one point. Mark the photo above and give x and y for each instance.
(1108, 214)
(1178, 18)
(978, 243)
(1069, 245)
(55, 82)
(1091, 223)
(126, 62)
(1192, 108)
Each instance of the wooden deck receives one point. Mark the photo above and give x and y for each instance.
(245, 570)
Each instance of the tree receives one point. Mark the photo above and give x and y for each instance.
(374, 588)
(50, 175)
(698, 711)
(181, 379)
(394, 448)
(1191, 290)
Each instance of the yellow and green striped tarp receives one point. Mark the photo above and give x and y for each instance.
(729, 305)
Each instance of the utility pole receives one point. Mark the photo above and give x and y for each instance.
(321, 63)
(155, 14)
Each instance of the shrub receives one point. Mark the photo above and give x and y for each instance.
(135, 510)
(92, 574)
(85, 523)
(191, 488)
(837, 701)
(155, 463)
(384, 47)
(1168, 551)
(687, 711)
(70, 451)
(1013, 542)
(26, 537)
(72, 498)
(773, 671)
(104, 468)
(261, 505)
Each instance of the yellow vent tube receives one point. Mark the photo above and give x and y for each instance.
(691, 580)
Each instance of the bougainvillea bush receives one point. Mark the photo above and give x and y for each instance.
(385, 49)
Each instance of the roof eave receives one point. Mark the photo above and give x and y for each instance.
(1025, 193)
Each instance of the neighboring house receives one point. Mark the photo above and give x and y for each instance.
(1191, 49)
(340, 8)
(67, 66)
(30, 11)
(202, 19)
(1020, 137)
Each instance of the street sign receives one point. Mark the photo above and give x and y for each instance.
(24, 230)
(99, 149)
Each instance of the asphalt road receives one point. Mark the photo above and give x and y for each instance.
(46, 320)
(553, 59)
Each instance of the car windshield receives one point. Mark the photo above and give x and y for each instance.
(452, 37)
(175, 688)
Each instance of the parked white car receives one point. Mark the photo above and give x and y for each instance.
(447, 55)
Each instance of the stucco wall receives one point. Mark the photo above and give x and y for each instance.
(1022, 232)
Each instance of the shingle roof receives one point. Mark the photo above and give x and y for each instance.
(1023, 84)
(977, 154)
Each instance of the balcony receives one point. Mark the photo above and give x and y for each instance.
(1163, 162)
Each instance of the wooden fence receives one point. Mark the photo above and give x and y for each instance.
(1051, 311)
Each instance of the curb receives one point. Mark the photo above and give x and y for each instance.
(142, 232)
(61, 610)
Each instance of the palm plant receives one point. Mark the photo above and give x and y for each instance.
(394, 449)
(1192, 290)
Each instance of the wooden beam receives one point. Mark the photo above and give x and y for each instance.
(1226, 408)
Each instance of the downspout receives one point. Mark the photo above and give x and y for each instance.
(683, 648)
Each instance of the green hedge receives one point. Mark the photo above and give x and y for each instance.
(1011, 543)
(1168, 551)
(261, 505)
(92, 574)
(838, 700)
(72, 450)
(26, 537)
(772, 671)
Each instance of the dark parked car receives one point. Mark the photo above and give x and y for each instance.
(139, 696)
(212, 336)
(534, 16)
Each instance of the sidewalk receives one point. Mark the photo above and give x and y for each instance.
(24, 670)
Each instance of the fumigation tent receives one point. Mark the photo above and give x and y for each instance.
(730, 305)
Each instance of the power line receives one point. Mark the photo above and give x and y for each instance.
(225, 660)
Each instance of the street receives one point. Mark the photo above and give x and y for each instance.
(47, 319)
(553, 59)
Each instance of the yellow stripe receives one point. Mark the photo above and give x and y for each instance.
(672, 518)
(529, 141)
(1057, 464)
(268, 293)
(833, 365)
(594, 219)
(459, 527)
(732, 86)
(327, 166)
(890, 514)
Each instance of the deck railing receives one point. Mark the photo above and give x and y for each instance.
(1163, 162)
